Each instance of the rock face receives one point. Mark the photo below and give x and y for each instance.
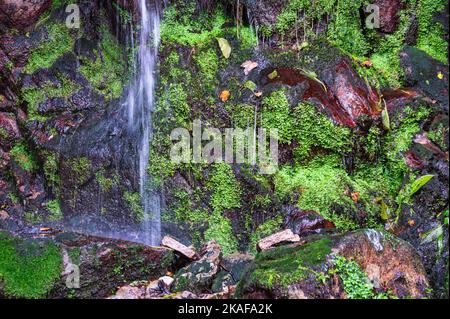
(199, 275)
(20, 14)
(82, 266)
(305, 222)
(422, 71)
(118, 262)
(389, 14)
(303, 271)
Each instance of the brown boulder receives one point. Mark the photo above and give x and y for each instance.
(389, 14)
(20, 14)
(9, 130)
(375, 262)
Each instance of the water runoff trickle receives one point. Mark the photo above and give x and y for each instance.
(140, 105)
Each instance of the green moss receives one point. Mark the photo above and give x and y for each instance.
(107, 72)
(220, 230)
(58, 42)
(134, 201)
(181, 24)
(51, 169)
(74, 254)
(344, 29)
(226, 194)
(175, 97)
(313, 129)
(81, 168)
(207, 62)
(355, 281)
(242, 115)
(33, 218)
(321, 185)
(226, 190)
(3, 133)
(22, 155)
(104, 182)
(28, 270)
(34, 96)
(54, 207)
(13, 198)
(276, 114)
(431, 37)
(282, 266)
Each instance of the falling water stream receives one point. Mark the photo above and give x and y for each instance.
(140, 105)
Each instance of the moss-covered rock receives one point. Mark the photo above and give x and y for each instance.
(362, 264)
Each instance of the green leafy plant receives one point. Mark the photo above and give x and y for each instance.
(355, 281)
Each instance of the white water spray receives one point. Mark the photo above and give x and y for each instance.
(140, 104)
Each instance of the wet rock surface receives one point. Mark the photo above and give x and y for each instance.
(390, 264)
(199, 275)
(21, 14)
(93, 267)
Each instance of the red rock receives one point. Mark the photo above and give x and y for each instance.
(413, 161)
(340, 90)
(20, 14)
(305, 222)
(389, 14)
(9, 130)
(285, 236)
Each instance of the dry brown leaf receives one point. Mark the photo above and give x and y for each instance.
(248, 66)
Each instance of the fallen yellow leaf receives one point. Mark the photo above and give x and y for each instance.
(440, 76)
(225, 95)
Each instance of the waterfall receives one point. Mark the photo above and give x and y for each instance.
(140, 104)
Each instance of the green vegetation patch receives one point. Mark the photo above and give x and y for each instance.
(34, 96)
(58, 42)
(355, 281)
(226, 194)
(107, 72)
(28, 270)
(54, 207)
(181, 25)
(431, 38)
(313, 129)
(22, 155)
(135, 203)
(282, 266)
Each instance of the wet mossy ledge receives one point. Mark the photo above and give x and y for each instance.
(42, 268)
(331, 266)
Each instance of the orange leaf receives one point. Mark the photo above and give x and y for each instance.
(367, 64)
(355, 196)
(225, 95)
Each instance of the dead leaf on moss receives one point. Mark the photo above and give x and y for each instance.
(225, 95)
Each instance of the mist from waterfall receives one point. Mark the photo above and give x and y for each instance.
(140, 105)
